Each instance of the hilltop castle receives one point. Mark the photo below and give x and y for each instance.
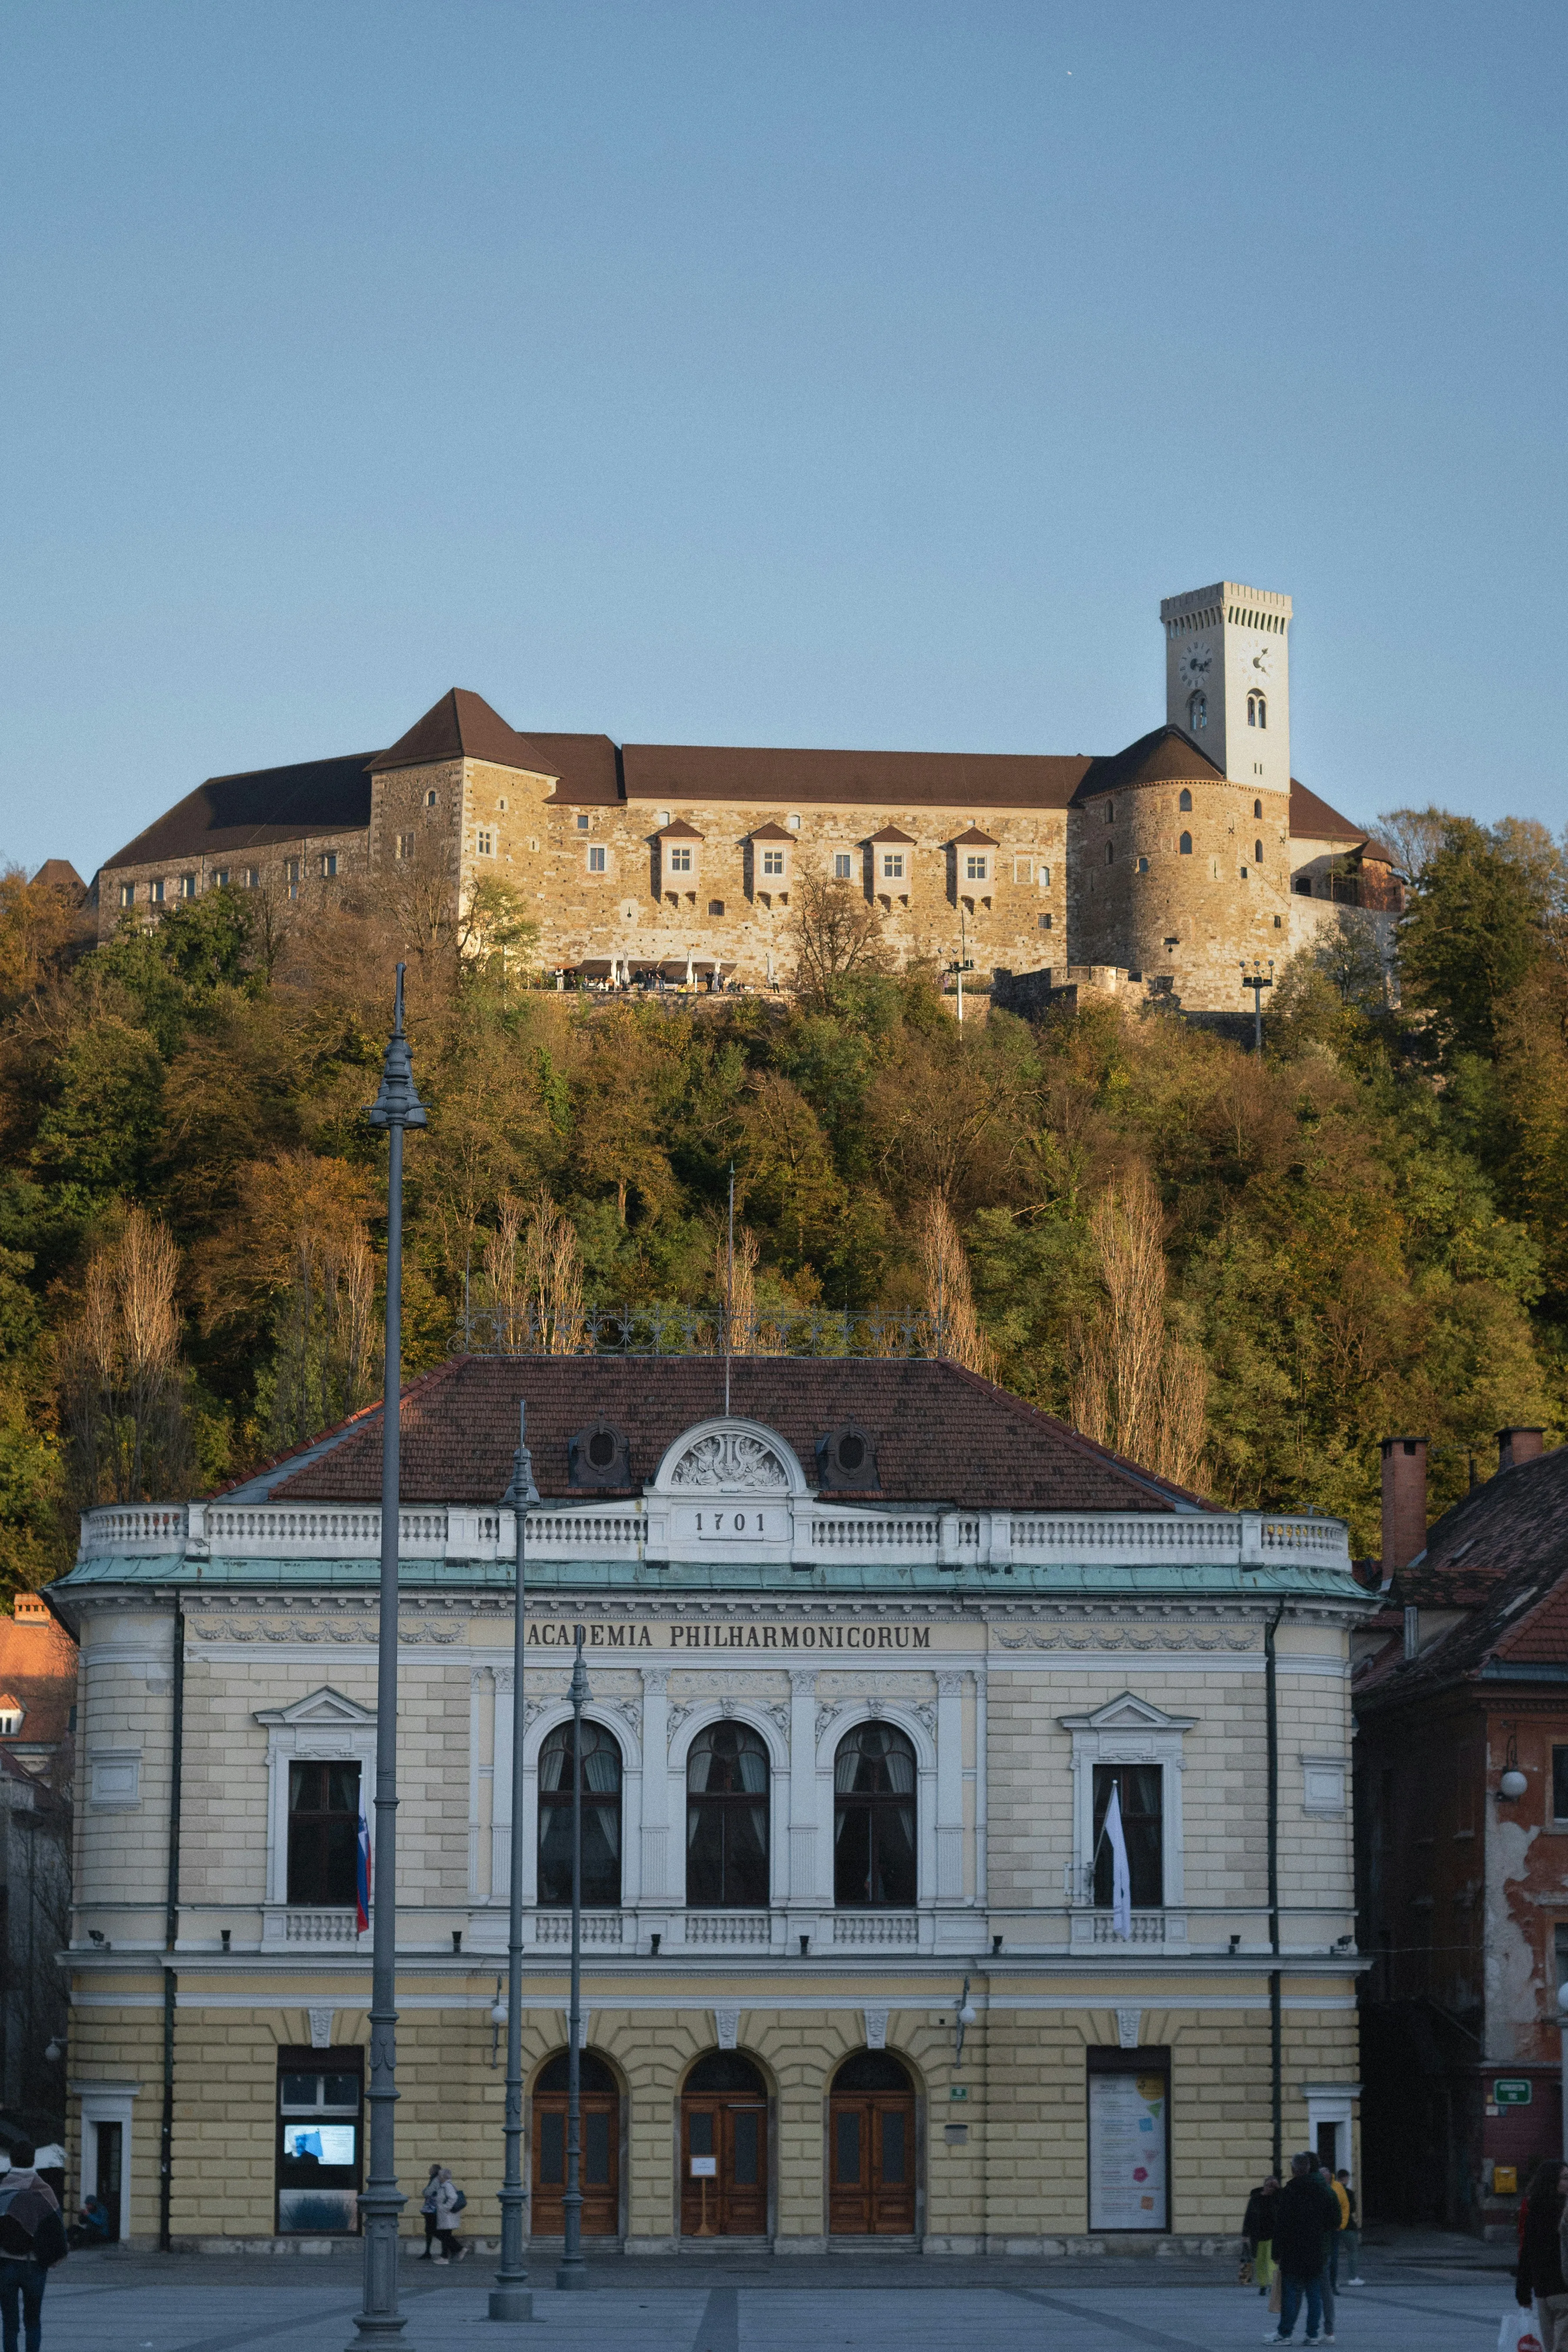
(1173, 860)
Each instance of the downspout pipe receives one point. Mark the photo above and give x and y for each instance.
(1275, 2049)
(171, 1935)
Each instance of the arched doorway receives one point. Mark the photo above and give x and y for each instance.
(724, 2148)
(599, 2167)
(871, 2148)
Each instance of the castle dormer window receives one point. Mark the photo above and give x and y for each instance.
(1197, 712)
(680, 861)
(1185, 802)
(892, 866)
(1186, 845)
(599, 1455)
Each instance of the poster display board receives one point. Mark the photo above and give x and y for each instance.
(1129, 2120)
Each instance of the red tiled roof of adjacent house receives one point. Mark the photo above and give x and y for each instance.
(38, 1668)
(940, 1433)
(462, 726)
(1500, 1556)
(229, 814)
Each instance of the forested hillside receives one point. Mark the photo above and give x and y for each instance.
(1243, 1271)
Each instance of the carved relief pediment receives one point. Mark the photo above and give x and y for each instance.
(732, 1460)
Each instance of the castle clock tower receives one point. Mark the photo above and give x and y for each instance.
(1227, 679)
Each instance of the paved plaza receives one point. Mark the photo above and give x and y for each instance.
(1422, 2295)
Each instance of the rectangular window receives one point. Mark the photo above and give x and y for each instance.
(595, 860)
(1045, 922)
(974, 869)
(1129, 2139)
(156, 894)
(1560, 1786)
(128, 894)
(329, 864)
(487, 842)
(220, 879)
(773, 861)
(405, 847)
(1023, 869)
(1045, 877)
(680, 861)
(1141, 1787)
(320, 2140)
(187, 886)
(290, 869)
(1558, 1962)
(893, 866)
(841, 865)
(252, 877)
(323, 1832)
(582, 824)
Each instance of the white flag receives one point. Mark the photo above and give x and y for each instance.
(1120, 1877)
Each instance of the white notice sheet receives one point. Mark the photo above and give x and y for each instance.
(1127, 2151)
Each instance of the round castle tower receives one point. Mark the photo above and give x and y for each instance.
(1178, 846)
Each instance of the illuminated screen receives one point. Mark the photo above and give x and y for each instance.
(328, 2143)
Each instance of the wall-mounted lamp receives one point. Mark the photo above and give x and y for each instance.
(1513, 1783)
(967, 2013)
(55, 2050)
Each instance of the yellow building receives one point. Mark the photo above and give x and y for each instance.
(870, 1651)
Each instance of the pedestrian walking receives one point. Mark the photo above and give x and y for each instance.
(1257, 2229)
(32, 2241)
(449, 2203)
(1350, 2234)
(428, 2209)
(1303, 2216)
(1329, 2283)
(1539, 2276)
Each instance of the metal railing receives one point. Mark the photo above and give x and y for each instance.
(673, 1330)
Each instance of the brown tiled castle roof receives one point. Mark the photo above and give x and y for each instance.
(1165, 755)
(59, 874)
(462, 726)
(229, 814)
(941, 1434)
(1314, 820)
(769, 832)
(710, 772)
(679, 831)
(895, 834)
(975, 839)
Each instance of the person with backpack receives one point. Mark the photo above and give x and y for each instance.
(449, 2203)
(428, 2209)
(1538, 2278)
(32, 2241)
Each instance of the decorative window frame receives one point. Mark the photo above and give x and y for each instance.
(833, 1723)
(324, 1728)
(1324, 1786)
(756, 1719)
(1127, 1730)
(108, 2103)
(114, 1778)
(623, 1729)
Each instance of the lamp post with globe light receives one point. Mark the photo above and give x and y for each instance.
(510, 2297)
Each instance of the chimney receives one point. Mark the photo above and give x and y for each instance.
(1403, 1502)
(1517, 1445)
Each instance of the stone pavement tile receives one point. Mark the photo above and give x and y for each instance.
(900, 2319)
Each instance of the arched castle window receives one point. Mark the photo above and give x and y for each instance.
(1186, 845)
(1257, 852)
(1257, 808)
(1185, 802)
(1257, 710)
(1109, 852)
(1197, 712)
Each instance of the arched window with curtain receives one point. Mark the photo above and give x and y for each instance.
(874, 1819)
(1184, 800)
(727, 1818)
(601, 1818)
(1197, 712)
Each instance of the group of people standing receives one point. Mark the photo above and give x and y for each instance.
(442, 2202)
(1541, 2277)
(1299, 2235)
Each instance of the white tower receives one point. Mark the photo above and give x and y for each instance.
(1228, 679)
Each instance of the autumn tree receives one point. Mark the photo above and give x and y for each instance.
(835, 934)
(122, 1382)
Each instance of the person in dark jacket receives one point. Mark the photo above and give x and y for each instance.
(32, 2239)
(1539, 2277)
(1257, 2229)
(1303, 2216)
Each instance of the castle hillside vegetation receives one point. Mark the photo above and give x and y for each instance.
(1245, 1270)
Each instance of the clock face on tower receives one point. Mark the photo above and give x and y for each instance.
(1260, 666)
(1196, 664)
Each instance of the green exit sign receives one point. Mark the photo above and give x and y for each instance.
(959, 2091)
(1511, 2091)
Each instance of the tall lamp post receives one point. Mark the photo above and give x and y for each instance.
(396, 1107)
(1255, 981)
(572, 2273)
(509, 2299)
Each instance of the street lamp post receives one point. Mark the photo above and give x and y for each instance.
(509, 2299)
(1255, 981)
(572, 2273)
(396, 1107)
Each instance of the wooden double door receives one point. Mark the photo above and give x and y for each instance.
(599, 2164)
(723, 2165)
(871, 2164)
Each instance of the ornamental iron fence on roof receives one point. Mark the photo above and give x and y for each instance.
(666, 1330)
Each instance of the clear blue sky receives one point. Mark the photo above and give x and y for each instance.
(768, 372)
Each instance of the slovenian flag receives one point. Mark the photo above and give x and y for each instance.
(361, 1873)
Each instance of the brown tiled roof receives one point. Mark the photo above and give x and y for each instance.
(941, 1434)
(587, 769)
(893, 833)
(229, 814)
(680, 831)
(967, 780)
(38, 1668)
(769, 832)
(1163, 756)
(59, 874)
(975, 839)
(462, 726)
(1501, 1555)
(1314, 820)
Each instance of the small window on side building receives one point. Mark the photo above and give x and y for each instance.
(842, 865)
(1560, 1788)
